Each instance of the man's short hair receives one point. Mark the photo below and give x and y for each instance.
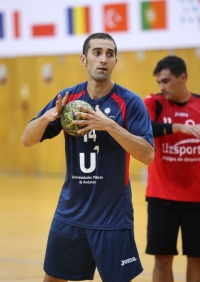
(99, 35)
(175, 64)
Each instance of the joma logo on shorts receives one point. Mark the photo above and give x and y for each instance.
(123, 262)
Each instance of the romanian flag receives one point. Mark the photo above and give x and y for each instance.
(1, 25)
(78, 20)
(153, 14)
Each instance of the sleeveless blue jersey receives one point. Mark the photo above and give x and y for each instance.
(96, 192)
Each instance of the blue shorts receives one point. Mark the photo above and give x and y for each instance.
(73, 253)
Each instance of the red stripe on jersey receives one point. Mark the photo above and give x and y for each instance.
(127, 168)
(122, 106)
(75, 96)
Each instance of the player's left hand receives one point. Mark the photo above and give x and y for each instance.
(92, 119)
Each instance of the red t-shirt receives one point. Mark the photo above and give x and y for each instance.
(175, 172)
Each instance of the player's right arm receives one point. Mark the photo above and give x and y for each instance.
(187, 129)
(161, 128)
(35, 129)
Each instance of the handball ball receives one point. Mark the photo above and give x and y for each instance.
(67, 116)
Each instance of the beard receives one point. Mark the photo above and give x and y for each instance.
(96, 74)
(99, 77)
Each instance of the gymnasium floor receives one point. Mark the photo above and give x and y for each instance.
(27, 205)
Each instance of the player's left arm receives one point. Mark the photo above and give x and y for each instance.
(136, 146)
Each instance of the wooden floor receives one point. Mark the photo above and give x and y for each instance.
(27, 205)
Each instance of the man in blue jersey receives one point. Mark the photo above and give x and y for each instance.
(93, 222)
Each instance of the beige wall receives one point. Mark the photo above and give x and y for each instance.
(25, 93)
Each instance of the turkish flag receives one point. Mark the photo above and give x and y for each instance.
(115, 17)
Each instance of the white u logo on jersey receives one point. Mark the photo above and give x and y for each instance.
(92, 161)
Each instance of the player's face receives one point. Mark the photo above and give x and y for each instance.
(100, 59)
(171, 86)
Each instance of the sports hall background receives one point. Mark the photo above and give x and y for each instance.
(31, 178)
(25, 93)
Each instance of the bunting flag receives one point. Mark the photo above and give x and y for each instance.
(1, 25)
(16, 24)
(115, 17)
(43, 30)
(78, 20)
(153, 15)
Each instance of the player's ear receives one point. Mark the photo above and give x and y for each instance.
(184, 77)
(115, 62)
(83, 60)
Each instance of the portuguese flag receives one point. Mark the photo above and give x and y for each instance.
(153, 15)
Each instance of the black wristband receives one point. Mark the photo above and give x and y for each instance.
(161, 129)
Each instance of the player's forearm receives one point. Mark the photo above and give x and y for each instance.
(161, 129)
(34, 131)
(136, 146)
(177, 127)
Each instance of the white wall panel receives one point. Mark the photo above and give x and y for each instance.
(182, 29)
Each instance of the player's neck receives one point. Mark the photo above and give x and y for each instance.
(184, 96)
(98, 90)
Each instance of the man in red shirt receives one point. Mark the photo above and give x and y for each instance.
(173, 189)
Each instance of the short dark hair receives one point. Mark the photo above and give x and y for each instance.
(175, 64)
(98, 35)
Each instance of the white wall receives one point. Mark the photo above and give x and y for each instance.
(122, 19)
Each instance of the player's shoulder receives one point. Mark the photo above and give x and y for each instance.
(194, 100)
(155, 96)
(73, 89)
(126, 93)
(195, 96)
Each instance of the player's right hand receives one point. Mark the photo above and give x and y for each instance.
(55, 112)
(187, 129)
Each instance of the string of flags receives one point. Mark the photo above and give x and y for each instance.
(136, 24)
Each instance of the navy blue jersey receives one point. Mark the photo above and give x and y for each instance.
(96, 192)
